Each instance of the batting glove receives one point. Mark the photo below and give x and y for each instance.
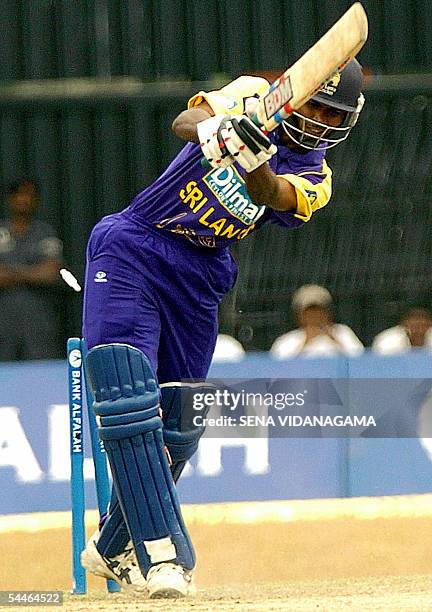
(250, 106)
(246, 143)
(211, 141)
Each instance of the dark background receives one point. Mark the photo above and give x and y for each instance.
(134, 63)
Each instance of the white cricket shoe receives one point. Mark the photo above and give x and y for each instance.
(123, 568)
(170, 581)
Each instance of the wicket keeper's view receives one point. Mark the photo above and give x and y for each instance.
(221, 429)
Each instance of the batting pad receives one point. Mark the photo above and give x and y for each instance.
(114, 535)
(180, 434)
(127, 412)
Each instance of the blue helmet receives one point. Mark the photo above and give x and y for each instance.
(342, 92)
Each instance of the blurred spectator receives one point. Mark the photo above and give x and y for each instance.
(317, 335)
(413, 330)
(30, 257)
(228, 349)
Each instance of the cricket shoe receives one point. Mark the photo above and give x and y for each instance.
(170, 581)
(122, 568)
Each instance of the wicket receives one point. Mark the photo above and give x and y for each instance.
(78, 389)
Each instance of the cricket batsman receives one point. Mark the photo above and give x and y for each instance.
(156, 273)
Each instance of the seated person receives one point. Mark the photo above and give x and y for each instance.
(413, 331)
(228, 349)
(317, 335)
(30, 258)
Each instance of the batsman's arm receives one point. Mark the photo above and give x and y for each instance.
(262, 184)
(185, 124)
(228, 100)
(265, 187)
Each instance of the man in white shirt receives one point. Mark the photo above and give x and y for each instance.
(413, 331)
(227, 349)
(317, 335)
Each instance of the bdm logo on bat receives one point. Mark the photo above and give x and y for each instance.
(230, 189)
(280, 93)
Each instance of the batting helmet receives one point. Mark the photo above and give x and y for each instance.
(342, 92)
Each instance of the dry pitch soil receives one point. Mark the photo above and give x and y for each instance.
(315, 566)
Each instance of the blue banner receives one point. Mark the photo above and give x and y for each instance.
(35, 456)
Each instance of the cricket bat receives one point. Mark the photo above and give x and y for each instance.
(317, 66)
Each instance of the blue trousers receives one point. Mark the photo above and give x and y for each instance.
(155, 292)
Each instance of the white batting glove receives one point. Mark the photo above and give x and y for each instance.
(212, 145)
(250, 106)
(246, 143)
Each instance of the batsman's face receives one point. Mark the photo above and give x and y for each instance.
(317, 125)
(319, 114)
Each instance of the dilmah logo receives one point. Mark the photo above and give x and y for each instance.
(230, 189)
(100, 277)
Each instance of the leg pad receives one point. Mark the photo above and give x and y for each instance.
(127, 412)
(180, 434)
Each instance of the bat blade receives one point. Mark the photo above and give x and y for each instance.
(330, 54)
